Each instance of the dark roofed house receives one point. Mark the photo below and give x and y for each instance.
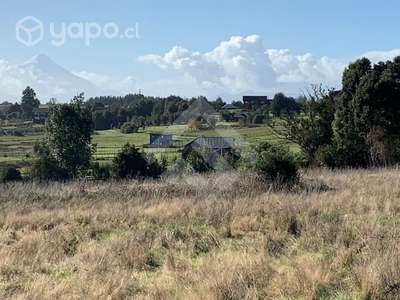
(161, 140)
(241, 115)
(253, 102)
(230, 107)
(218, 145)
(40, 115)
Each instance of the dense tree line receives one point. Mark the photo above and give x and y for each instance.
(361, 128)
(140, 110)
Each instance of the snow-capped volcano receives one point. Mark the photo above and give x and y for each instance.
(47, 76)
(42, 67)
(50, 80)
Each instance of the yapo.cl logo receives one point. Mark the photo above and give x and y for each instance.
(29, 31)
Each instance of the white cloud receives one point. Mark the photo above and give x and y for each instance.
(122, 85)
(234, 65)
(377, 56)
(243, 63)
(305, 68)
(11, 83)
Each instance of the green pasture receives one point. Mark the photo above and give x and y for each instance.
(15, 149)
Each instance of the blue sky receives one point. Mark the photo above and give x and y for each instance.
(339, 30)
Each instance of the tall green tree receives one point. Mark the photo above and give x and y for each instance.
(28, 102)
(349, 142)
(367, 130)
(238, 104)
(68, 136)
(282, 103)
(218, 103)
(313, 132)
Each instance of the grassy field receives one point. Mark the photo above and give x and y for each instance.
(109, 142)
(200, 238)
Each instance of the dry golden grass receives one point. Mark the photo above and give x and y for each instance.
(197, 239)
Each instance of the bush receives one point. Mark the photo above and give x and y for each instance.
(130, 163)
(200, 160)
(45, 167)
(101, 172)
(225, 163)
(10, 174)
(17, 133)
(178, 166)
(326, 157)
(275, 164)
(303, 160)
(155, 168)
(258, 119)
(129, 128)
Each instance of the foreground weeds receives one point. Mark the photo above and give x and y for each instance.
(335, 237)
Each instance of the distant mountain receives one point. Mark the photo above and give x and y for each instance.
(51, 80)
(42, 67)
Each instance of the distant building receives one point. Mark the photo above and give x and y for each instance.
(253, 102)
(40, 115)
(218, 145)
(230, 107)
(161, 140)
(241, 116)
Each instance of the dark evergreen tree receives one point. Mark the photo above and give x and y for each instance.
(29, 102)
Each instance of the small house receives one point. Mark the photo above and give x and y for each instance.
(254, 102)
(241, 116)
(230, 107)
(218, 145)
(40, 115)
(161, 140)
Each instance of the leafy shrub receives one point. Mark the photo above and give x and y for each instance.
(200, 160)
(303, 160)
(178, 166)
(275, 164)
(258, 119)
(17, 133)
(101, 172)
(130, 163)
(326, 156)
(154, 167)
(45, 167)
(225, 163)
(10, 174)
(129, 128)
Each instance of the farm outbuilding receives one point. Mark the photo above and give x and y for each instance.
(219, 145)
(161, 140)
